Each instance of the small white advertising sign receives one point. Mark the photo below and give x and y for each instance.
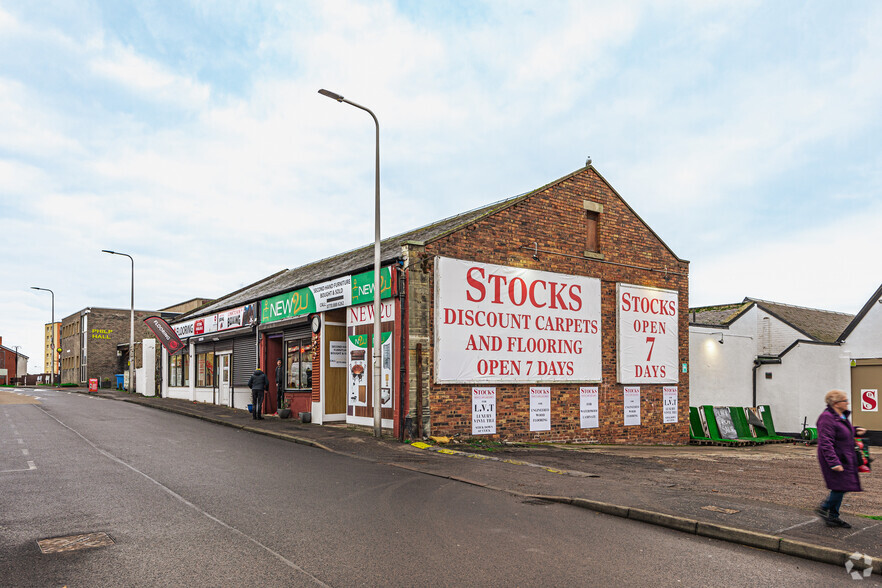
(632, 405)
(869, 400)
(496, 323)
(334, 294)
(540, 408)
(648, 341)
(483, 411)
(669, 399)
(337, 354)
(589, 412)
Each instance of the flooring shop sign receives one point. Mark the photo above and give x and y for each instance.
(501, 324)
(648, 343)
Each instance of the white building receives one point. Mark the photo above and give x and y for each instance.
(758, 352)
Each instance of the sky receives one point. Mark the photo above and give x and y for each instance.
(190, 135)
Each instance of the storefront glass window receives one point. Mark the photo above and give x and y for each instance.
(179, 370)
(298, 364)
(205, 370)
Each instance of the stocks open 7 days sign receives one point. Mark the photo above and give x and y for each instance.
(496, 323)
(648, 342)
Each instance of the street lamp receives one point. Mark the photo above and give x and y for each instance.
(132, 324)
(52, 335)
(376, 394)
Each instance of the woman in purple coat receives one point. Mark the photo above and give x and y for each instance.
(836, 456)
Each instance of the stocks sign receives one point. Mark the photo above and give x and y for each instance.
(496, 323)
(647, 335)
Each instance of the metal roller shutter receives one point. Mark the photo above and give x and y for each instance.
(244, 360)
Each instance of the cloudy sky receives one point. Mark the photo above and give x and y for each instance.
(191, 136)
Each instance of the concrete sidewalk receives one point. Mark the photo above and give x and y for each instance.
(619, 482)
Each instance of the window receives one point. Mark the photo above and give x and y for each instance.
(298, 364)
(205, 370)
(593, 210)
(179, 370)
(591, 219)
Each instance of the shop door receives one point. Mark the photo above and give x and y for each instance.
(223, 373)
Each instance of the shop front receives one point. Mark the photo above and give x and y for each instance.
(217, 360)
(320, 334)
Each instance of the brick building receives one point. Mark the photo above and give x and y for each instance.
(555, 315)
(14, 362)
(95, 341)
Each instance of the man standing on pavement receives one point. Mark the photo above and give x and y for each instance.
(280, 383)
(258, 383)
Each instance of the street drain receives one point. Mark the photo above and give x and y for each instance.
(538, 501)
(74, 542)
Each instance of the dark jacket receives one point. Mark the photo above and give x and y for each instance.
(836, 447)
(258, 381)
(280, 377)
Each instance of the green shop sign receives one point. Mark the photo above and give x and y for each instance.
(355, 290)
(364, 341)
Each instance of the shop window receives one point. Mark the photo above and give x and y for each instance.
(179, 370)
(298, 364)
(205, 370)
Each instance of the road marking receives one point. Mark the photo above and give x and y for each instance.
(24, 451)
(20, 441)
(862, 530)
(794, 526)
(186, 502)
(31, 466)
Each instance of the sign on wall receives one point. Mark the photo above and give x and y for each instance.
(497, 323)
(234, 318)
(869, 400)
(589, 412)
(669, 401)
(337, 293)
(540, 408)
(483, 411)
(648, 341)
(632, 405)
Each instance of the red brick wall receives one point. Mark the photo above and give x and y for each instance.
(555, 219)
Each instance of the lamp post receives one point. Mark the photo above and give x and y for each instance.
(51, 335)
(132, 323)
(377, 353)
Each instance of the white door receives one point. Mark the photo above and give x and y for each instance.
(223, 368)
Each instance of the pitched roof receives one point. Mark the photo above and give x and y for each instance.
(877, 296)
(355, 261)
(362, 259)
(717, 316)
(819, 325)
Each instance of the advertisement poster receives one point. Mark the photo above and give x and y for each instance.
(632, 405)
(648, 341)
(869, 400)
(483, 411)
(589, 411)
(337, 354)
(540, 409)
(496, 323)
(669, 398)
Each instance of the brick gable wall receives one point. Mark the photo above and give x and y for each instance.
(554, 219)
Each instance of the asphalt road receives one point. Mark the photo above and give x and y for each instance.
(191, 503)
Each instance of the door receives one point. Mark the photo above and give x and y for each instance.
(223, 372)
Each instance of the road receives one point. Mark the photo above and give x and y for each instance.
(186, 502)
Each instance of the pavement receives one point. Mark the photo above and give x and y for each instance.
(632, 482)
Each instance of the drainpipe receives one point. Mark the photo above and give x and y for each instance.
(756, 364)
